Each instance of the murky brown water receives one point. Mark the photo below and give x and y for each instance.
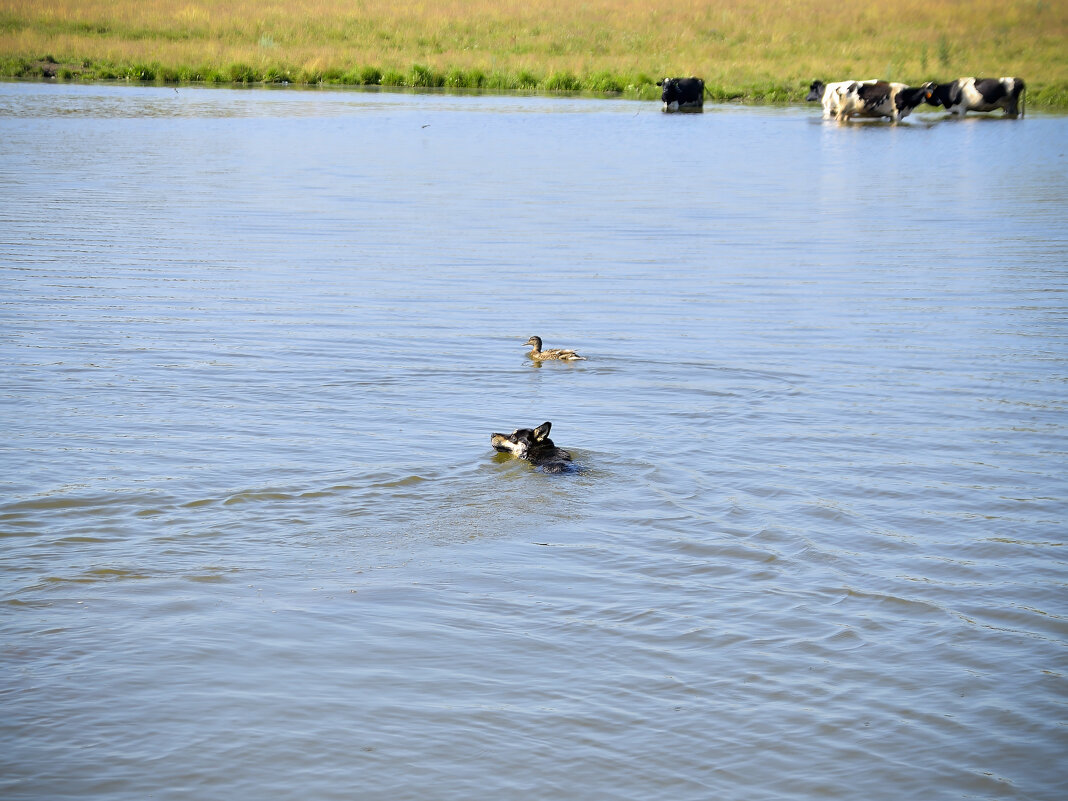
(256, 544)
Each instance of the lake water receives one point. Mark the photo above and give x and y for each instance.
(256, 545)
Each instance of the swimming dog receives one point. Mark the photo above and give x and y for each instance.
(534, 445)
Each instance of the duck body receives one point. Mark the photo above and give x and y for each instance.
(554, 354)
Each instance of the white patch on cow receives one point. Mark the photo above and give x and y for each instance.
(834, 97)
(970, 99)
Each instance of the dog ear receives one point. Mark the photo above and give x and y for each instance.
(542, 431)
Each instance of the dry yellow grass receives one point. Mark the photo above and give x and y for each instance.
(745, 47)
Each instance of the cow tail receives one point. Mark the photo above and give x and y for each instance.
(1023, 101)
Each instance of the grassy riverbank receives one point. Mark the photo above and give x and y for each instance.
(747, 49)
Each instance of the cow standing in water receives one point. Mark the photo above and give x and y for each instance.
(880, 99)
(978, 94)
(845, 100)
(682, 94)
(830, 95)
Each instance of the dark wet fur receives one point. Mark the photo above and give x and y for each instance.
(534, 445)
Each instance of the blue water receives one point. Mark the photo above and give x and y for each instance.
(255, 543)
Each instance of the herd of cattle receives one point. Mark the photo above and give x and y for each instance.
(845, 100)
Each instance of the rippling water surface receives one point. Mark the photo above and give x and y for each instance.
(255, 544)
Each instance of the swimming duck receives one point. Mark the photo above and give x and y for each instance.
(539, 355)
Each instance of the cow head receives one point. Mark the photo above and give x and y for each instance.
(815, 91)
(671, 89)
(908, 98)
(942, 94)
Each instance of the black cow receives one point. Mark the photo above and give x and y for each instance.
(682, 94)
(978, 94)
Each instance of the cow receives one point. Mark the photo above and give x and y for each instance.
(868, 99)
(682, 94)
(830, 95)
(880, 99)
(978, 94)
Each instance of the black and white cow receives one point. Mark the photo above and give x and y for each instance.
(978, 94)
(830, 95)
(682, 94)
(869, 99)
(880, 99)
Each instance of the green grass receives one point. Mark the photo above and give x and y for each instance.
(747, 50)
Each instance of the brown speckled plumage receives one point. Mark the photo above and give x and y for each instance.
(558, 354)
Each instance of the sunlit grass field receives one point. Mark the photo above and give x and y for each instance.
(746, 49)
